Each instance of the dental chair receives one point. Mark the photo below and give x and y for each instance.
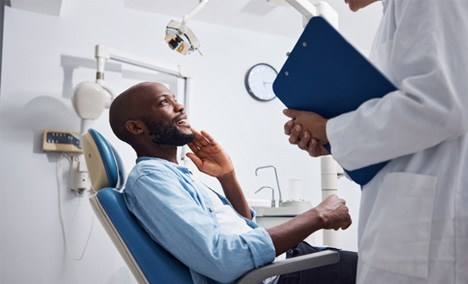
(147, 260)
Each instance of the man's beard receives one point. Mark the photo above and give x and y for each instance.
(165, 133)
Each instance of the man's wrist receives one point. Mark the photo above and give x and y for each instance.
(227, 177)
(318, 215)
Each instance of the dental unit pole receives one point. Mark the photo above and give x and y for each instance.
(330, 170)
(91, 98)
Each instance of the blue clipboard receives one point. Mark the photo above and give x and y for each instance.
(325, 74)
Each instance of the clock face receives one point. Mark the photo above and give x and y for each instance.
(259, 81)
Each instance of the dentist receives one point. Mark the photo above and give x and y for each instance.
(413, 225)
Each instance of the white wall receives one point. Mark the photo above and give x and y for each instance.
(44, 56)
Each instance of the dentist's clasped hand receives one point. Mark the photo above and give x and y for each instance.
(307, 130)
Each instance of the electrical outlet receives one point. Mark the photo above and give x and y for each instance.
(61, 141)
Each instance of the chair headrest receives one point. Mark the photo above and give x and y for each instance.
(104, 164)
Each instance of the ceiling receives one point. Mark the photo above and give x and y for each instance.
(265, 16)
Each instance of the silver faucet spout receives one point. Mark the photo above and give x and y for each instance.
(273, 200)
(276, 176)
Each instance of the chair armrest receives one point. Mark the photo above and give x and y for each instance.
(289, 265)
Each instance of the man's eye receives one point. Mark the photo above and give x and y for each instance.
(164, 102)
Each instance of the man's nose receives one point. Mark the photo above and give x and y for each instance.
(178, 107)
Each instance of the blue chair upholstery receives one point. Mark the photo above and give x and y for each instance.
(147, 260)
(146, 256)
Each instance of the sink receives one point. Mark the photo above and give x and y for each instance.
(289, 208)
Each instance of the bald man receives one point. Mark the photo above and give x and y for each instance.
(214, 235)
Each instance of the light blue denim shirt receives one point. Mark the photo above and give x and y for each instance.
(176, 212)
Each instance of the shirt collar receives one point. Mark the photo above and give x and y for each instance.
(179, 167)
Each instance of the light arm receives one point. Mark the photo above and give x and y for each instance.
(304, 7)
(105, 53)
(309, 10)
(191, 14)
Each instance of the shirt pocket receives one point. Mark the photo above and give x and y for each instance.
(397, 235)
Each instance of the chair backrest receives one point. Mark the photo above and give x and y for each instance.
(148, 261)
(103, 162)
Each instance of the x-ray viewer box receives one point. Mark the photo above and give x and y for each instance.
(325, 74)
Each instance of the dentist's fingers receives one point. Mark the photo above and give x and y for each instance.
(295, 134)
(304, 140)
(315, 149)
(288, 127)
(291, 113)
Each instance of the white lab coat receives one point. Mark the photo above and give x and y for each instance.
(413, 223)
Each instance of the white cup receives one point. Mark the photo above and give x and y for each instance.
(293, 188)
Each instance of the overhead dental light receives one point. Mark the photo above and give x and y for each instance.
(179, 37)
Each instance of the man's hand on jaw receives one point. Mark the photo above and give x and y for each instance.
(209, 157)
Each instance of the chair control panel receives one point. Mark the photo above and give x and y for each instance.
(61, 141)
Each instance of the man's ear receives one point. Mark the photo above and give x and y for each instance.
(135, 127)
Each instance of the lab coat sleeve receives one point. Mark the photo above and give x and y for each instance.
(425, 58)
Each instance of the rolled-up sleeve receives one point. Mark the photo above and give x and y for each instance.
(260, 244)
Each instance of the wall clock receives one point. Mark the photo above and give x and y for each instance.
(259, 81)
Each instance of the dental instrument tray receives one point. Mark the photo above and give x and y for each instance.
(325, 74)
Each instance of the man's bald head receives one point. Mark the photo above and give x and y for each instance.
(130, 105)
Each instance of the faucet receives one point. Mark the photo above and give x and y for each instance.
(273, 200)
(277, 182)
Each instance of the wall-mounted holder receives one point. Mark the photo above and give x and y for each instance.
(79, 178)
(69, 142)
(61, 141)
